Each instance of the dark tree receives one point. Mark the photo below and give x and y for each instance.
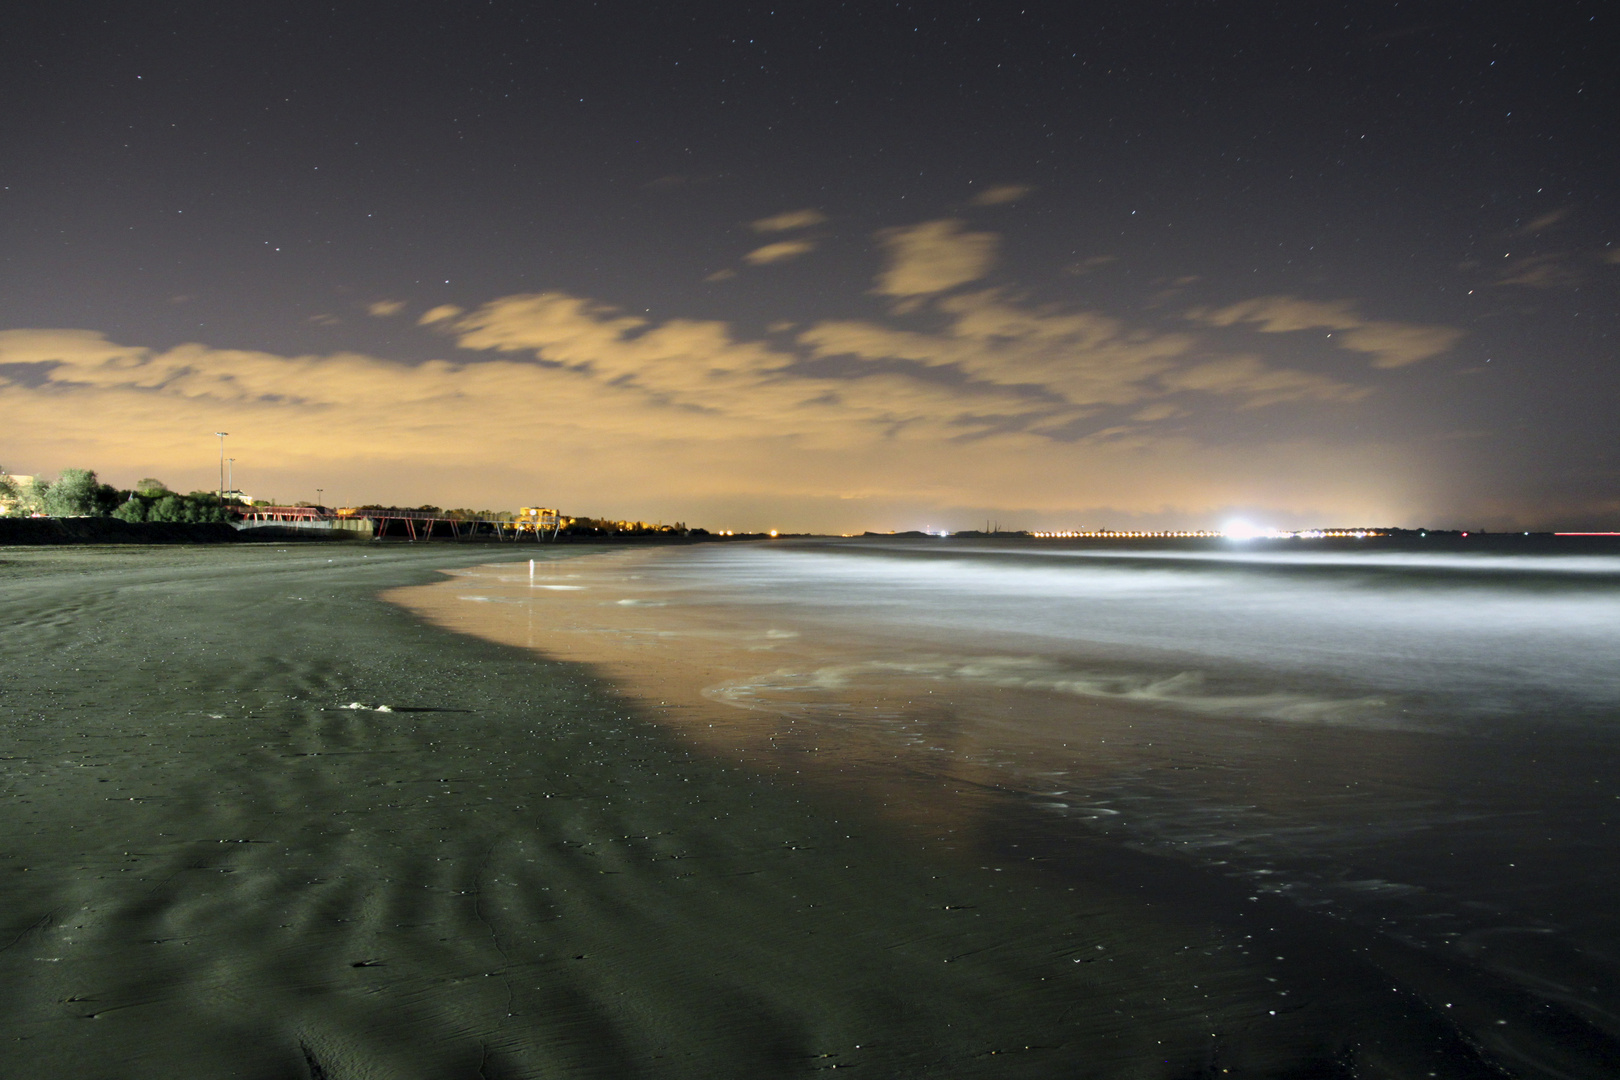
(75, 494)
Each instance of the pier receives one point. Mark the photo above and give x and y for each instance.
(538, 522)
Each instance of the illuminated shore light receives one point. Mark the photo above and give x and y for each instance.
(1118, 534)
(1238, 529)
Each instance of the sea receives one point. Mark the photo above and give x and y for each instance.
(1394, 761)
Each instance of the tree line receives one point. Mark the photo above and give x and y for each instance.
(79, 493)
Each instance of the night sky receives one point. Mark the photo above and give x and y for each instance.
(824, 266)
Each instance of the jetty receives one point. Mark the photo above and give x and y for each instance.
(537, 523)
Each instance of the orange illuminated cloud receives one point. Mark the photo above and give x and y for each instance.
(442, 313)
(789, 220)
(558, 398)
(1390, 344)
(1001, 194)
(932, 257)
(778, 252)
(610, 413)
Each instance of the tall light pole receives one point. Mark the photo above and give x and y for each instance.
(222, 435)
(318, 503)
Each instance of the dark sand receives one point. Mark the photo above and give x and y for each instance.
(209, 867)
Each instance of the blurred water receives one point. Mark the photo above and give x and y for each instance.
(1450, 638)
(1417, 745)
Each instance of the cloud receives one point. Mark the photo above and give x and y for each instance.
(71, 348)
(1001, 194)
(1162, 410)
(789, 220)
(1539, 272)
(1542, 223)
(993, 366)
(1282, 314)
(654, 383)
(708, 384)
(723, 274)
(1068, 364)
(932, 257)
(1079, 358)
(439, 314)
(609, 411)
(1390, 344)
(778, 252)
(383, 309)
(1393, 345)
(1248, 378)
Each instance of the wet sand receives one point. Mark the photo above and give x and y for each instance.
(219, 856)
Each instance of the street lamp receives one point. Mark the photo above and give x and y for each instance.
(222, 435)
(319, 505)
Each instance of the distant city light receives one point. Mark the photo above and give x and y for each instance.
(1127, 534)
(1236, 530)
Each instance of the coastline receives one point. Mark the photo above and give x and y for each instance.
(1345, 830)
(216, 865)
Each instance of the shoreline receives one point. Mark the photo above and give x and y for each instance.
(222, 858)
(940, 742)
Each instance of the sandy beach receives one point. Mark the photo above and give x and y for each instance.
(259, 823)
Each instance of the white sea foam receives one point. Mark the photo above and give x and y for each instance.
(1546, 633)
(1372, 559)
(1186, 691)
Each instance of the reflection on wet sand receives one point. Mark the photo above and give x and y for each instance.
(1163, 759)
(691, 667)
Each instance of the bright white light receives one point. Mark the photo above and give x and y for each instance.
(1238, 529)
